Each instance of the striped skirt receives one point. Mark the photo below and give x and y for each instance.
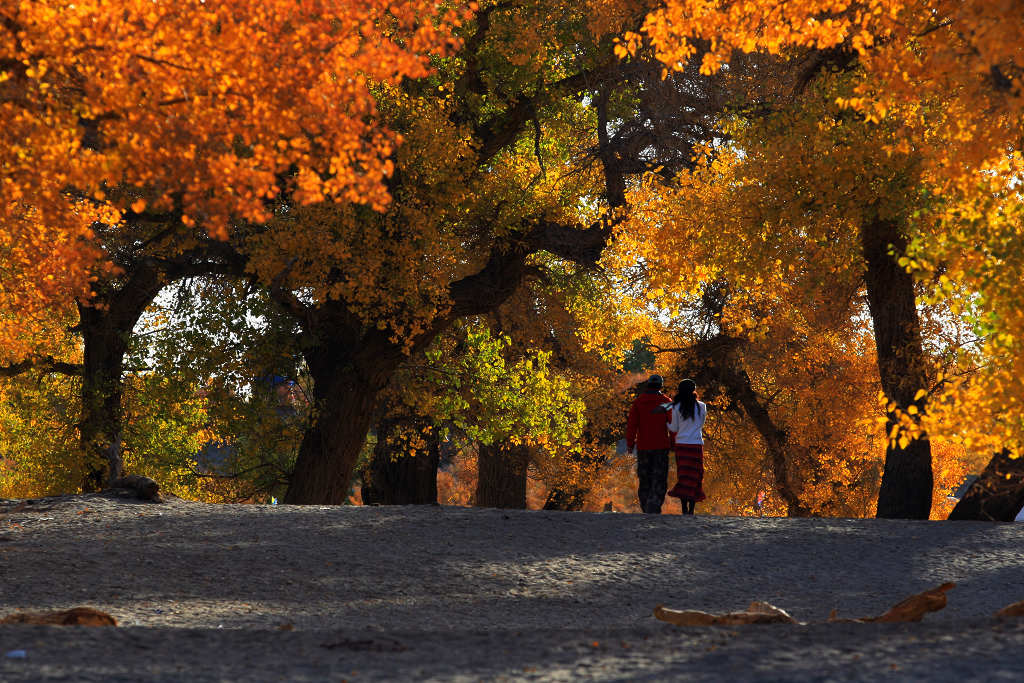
(689, 472)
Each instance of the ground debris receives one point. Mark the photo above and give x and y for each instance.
(1014, 610)
(912, 608)
(76, 616)
(141, 487)
(366, 645)
(909, 609)
(756, 613)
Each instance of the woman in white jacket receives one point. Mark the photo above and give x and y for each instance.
(686, 424)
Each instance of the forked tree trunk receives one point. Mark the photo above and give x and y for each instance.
(501, 476)
(906, 490)
(397, 477)
(997, 495)
(350, 369)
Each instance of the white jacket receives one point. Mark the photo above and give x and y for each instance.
(688, 429)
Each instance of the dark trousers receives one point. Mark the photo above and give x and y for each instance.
(652, 471)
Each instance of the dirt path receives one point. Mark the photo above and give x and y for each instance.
(235, 592)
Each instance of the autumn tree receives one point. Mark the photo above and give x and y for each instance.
(531, 386)
(819, 200)
(503, 404)
(493, 170)
(783, 360)
(132, 124)
(204, 145)
(928, 70)
(212, 403)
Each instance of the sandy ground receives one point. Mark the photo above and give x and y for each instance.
(280, 593)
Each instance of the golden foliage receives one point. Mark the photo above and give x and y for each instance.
(942, 84)
(204, 107)
(966, 54)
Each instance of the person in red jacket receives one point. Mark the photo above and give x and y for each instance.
(647, 430)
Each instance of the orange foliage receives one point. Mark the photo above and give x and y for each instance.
(945, 80)
(204, 108)
(965, 53)
(456, 483)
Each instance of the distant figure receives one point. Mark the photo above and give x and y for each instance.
(647, 429)
(686, 422)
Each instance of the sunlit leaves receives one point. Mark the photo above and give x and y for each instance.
(966, 55)
(494, 399)
(206, 108)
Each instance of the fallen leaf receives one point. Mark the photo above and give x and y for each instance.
(914, 607)
(756, 613)
(76, 616)
(909, 609)
(1014, 610)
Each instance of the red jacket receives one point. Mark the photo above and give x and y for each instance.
(647, 427)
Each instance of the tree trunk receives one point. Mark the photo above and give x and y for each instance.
(350, 368)
(100, 424)
(331, 445)
(501, 476)
(998, 494)
(396, 477)
(906, 490)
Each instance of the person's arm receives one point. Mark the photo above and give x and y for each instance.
(632, 427)
(673, 422)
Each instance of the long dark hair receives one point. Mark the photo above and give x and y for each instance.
(686, 399)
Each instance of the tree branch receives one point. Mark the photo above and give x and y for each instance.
(502, 129)
(581, 246)
(470, 80)
(44, 364)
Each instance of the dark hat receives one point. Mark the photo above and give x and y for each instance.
(655, 381)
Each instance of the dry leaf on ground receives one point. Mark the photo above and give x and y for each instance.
(756, 613)
(1014, 610)
(909, 609)
(914, 607)
(76, 616)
